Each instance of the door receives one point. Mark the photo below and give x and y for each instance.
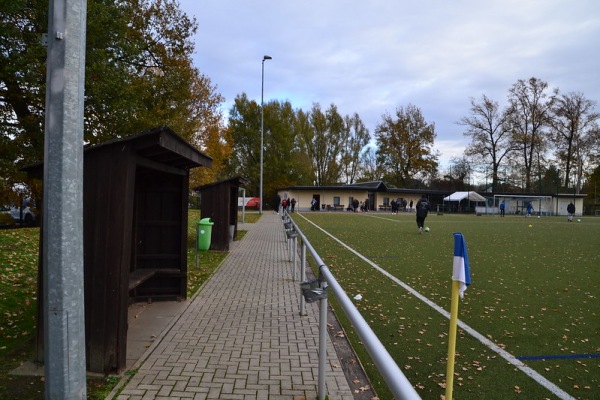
(317, 206)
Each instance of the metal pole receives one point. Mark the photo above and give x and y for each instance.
(262, 126)
(62, 249)
(196, 246)
(294, 260)
(322, 389)
(243, 206)
(302, 277)
(294, 249)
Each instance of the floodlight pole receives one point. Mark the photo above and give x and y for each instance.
(262, 126)
(62, 238)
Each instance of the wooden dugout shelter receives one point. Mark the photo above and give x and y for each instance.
(135, 215)
(219, 202)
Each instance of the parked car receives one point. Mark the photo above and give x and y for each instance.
(27, 215)
(6, 219)
(251, 202)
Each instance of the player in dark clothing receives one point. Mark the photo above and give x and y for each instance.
(422, 211)
(571, 211)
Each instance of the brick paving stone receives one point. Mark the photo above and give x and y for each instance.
(242, 336)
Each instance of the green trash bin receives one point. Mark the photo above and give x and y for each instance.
(204, 233)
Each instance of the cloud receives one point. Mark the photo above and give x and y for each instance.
(373, 57)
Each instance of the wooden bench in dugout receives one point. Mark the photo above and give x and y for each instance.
(384, 208)
(139, 276)
(337, 207)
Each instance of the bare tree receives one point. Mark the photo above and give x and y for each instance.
(322, 143)
(530, 109)
(489, 130)
(574, 132)
(460, 168)
(354, 139)
(370, 170)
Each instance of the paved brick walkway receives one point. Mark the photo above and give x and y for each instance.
(242, 336)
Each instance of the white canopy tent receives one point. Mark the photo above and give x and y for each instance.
(459, 196)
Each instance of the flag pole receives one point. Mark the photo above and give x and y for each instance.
(461, 278)
(452, 339)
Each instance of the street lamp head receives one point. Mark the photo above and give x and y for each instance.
(267, 58)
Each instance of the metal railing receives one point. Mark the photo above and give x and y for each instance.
(398, 384)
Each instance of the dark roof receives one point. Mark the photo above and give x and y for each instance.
(160, 145)
(431, 192)
(380, 186)
(235, 181)
(535, 195)
(374, 186)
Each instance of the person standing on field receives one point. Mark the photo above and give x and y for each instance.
(422, 211)
(571, 211)
(529, 209)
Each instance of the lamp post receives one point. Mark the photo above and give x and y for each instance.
(262, 124)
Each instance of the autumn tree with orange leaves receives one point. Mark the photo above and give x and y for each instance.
(139, 74)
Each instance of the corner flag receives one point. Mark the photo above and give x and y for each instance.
(460, 268)
(461, 278)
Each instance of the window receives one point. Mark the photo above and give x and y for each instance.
(336, 201)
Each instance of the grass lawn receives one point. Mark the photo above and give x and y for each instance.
(18, 294)
(534, 293)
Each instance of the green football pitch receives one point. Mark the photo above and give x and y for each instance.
(534, 295)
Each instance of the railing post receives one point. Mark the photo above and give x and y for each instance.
(285, 228)
(302, 277)
(294, 258)
(322, 389)
(294, 249)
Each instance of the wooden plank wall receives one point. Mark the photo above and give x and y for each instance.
(216, 206)
(109, 183)
(161, 234)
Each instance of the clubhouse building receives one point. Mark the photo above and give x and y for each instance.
(376, 196)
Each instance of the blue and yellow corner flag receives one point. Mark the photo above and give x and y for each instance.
(460, 268)
(461, 278)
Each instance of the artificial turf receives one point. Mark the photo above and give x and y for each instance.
(534, 293)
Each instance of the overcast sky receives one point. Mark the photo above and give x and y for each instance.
(373, 56)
